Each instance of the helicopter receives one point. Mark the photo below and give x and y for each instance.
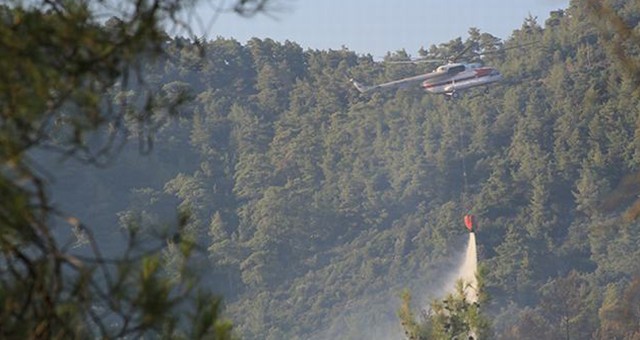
(446, 79)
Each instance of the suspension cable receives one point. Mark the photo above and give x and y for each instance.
(464, 165)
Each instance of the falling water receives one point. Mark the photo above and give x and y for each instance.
(468, 270)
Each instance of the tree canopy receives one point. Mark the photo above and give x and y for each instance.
(308, 206)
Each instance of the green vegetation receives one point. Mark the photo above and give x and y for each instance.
(64, 88)
(452, 317)
(308, 204)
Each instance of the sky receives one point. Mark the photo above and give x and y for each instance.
(373, 26)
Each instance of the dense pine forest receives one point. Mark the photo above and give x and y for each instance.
(314, 206)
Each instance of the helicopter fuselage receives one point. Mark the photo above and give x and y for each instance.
(457, 77)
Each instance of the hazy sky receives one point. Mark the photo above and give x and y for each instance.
(376, 26)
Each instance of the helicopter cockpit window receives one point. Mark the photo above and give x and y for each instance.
(456, 69)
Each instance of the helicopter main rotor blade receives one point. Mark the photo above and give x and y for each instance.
(416, 61)
(459, 54)
(500, 50)
(514, 47)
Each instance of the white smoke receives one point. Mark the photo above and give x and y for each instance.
(378, 320)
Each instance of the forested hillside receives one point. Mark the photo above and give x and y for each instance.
(315, 206)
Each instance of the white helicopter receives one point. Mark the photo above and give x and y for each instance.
(447, 79)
